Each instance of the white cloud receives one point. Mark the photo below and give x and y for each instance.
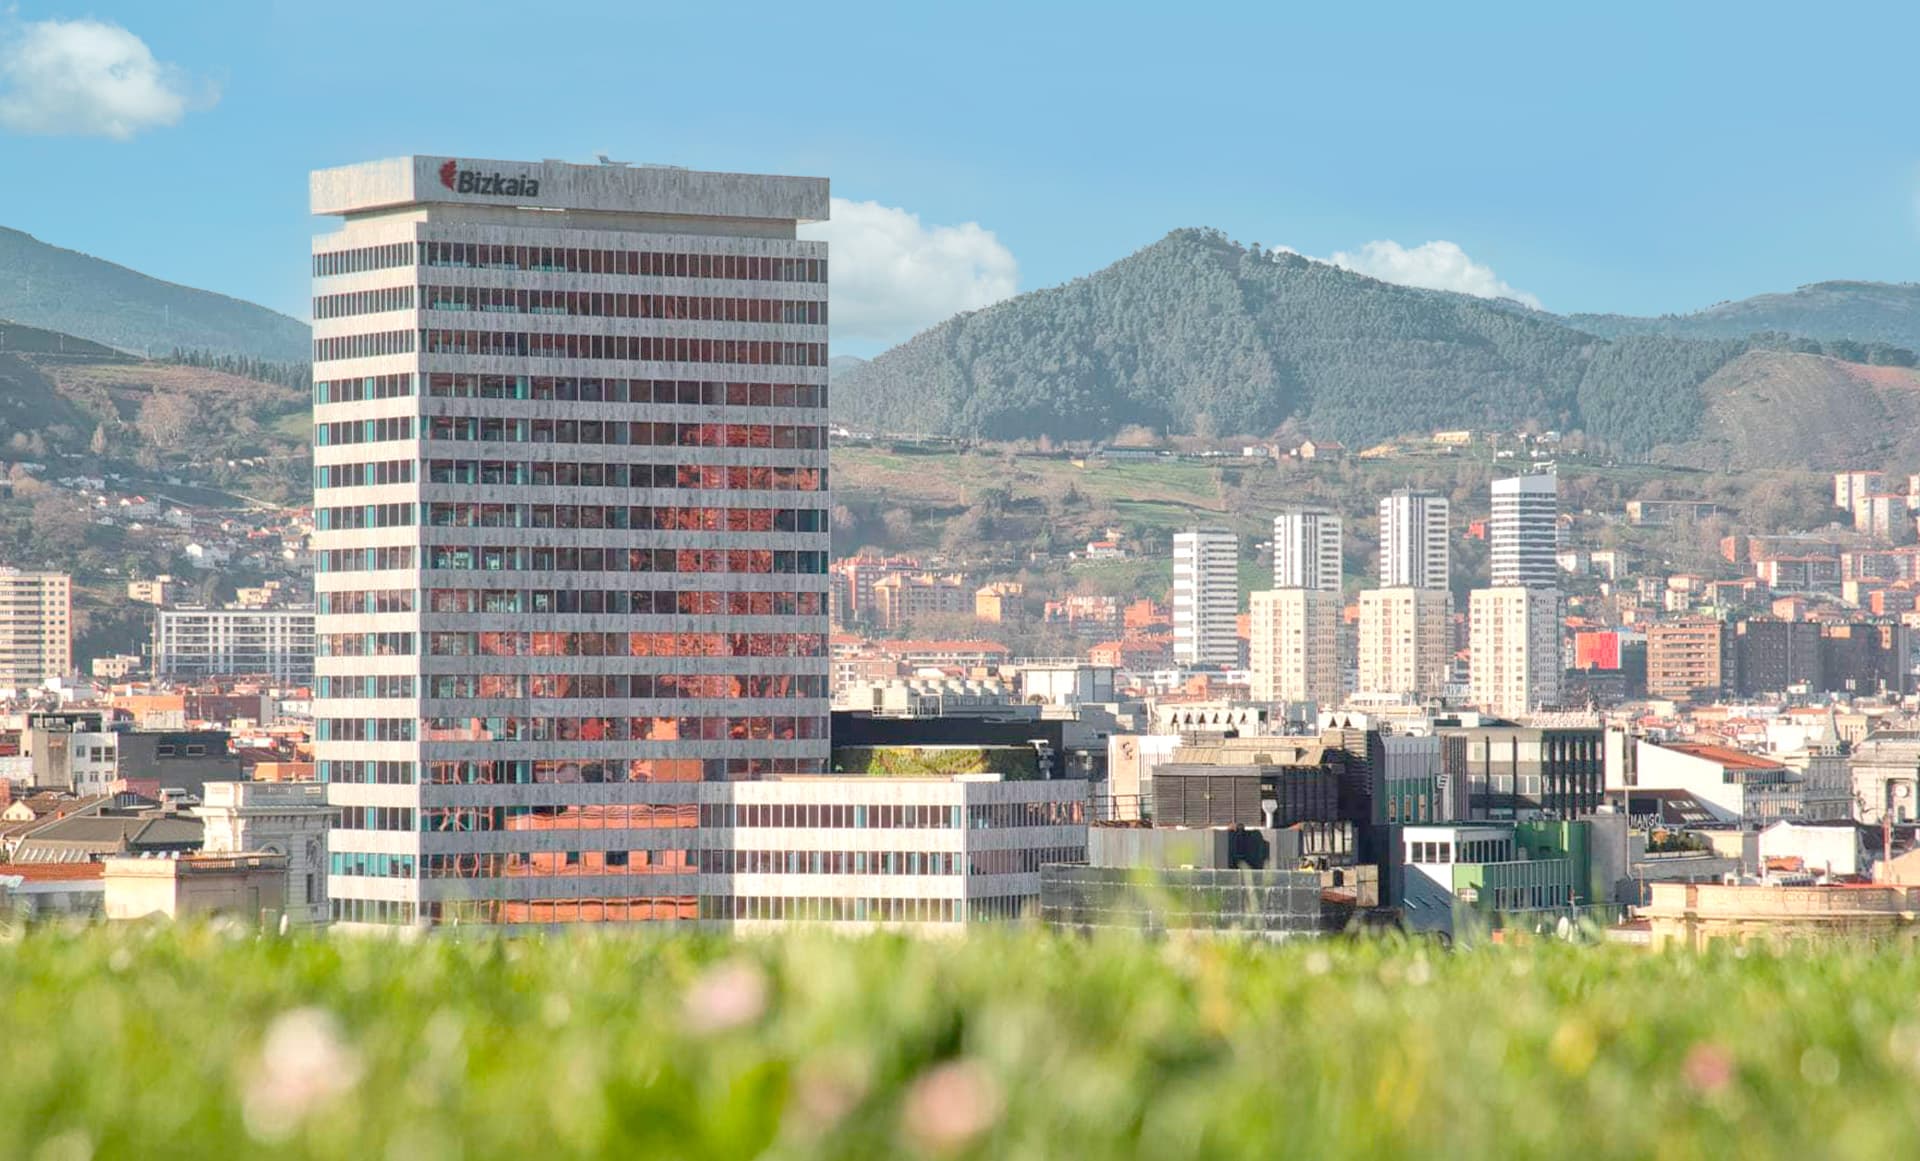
(88, 78)
(1434, 265)
(893, 277)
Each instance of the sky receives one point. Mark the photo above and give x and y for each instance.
(1638, 158)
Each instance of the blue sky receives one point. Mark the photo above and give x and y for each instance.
(1623, 157)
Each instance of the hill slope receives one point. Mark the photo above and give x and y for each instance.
(64, 290)
(86, 408)
(1863, 312)
(1779, 409)
(1197, 334)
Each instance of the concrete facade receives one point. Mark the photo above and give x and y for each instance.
(1405, 640)
(36, 627)
(1306, 549)
(1206, 597)
(1414, 550)
(196, 643)
(1514, 648)
(1295, 646)
(275, 818)
(571, 526)
(1523, 531)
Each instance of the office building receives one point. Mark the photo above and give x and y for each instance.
(1206, 597)
(1413, 540)
(862, 852)
(1295, 646)
(1523, 531)
(1405, 640)
(571, 528)
(1511, 772)
(1514, 648)
(278, 644)
(1306, 550)
(36, 627)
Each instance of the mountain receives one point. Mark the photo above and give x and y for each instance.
(1862, 312)
(70, 292)
(1198, 334)
(1785, 409)
(86, 409)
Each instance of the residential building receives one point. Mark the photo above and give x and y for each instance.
(1414, 550)
(36, 627)
(1687, 659)
(1524, 531)
(1514, 648)
(277, 644)
(1405, 644)
(900, 598)
(1294, 647)
(1774, 656)
(1306, 549)
(1849, 488)
(161, 590)
(1206, 597)
(999, 602)
(579, 412)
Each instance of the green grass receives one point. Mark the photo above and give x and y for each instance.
(149, 1043)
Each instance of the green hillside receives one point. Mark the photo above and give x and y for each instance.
(1197, 334)
(1858, 312)
(42, 285)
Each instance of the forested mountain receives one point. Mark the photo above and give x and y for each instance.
(73, 293)
(1198, 334)
(1860, 312)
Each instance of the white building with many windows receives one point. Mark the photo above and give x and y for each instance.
(193, 643)
(1306, 550)
(1206, 597)
(571, 527)
(935, 853)
(1414, 550)
(1524, 530)
(1514, 649)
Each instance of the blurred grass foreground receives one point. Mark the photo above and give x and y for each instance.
(182, 1042)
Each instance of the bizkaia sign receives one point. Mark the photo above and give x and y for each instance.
(491, 185)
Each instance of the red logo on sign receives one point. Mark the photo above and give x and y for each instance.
(448, 172)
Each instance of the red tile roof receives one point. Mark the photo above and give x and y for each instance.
(1725, 755)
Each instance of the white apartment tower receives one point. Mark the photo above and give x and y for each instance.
(1413, 540)
(1514, 648)
(36, 627)
(1206, 597)
(1524, 531)
(570, 529)
(1405, 641)
(1306, 550)
(1295, 646)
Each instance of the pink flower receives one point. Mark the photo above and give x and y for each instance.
(951, 1105)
